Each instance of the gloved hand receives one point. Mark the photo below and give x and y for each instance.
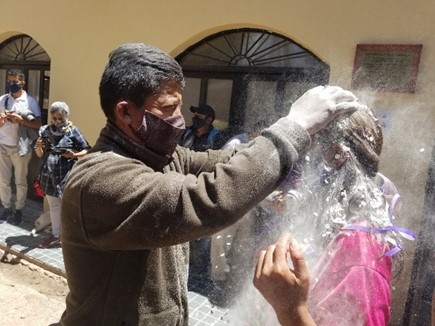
(320, 105)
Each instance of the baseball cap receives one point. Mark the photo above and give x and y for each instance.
(203, 109)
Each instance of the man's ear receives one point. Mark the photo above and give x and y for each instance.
(121, 112)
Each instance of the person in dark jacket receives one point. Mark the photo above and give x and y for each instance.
(132, 204)
(201, 135)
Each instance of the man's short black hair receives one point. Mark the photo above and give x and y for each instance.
(204, 109)
(134, 72)
(17, 72)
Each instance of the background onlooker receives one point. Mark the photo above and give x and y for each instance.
(231, 253)
(60, 143)
(200, 136)
(20, 118)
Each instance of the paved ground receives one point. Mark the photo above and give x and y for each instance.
(18, 241)
(29, 295)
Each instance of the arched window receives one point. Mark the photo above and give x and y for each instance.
(23, 52)
(248, 75)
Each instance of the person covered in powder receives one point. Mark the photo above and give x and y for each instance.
(228, 242)
(60, 144)
(132, 204)
(20, 119)
(350, 209)
(245, 137)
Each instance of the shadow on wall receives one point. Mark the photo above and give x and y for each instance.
(418, 309)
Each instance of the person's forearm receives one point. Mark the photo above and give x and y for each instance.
(34, 124)
(81, 153)
(298, 317)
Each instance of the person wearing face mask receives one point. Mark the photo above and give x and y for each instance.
(20, 118)
(202, 135)
(134, 202)
(60, 144)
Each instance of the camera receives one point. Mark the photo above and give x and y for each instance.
(25, 114)
(57, 151)
(48, 140)
(50, 148)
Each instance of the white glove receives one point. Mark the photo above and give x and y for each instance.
(320, 105)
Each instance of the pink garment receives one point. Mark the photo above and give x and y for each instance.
(351, 284)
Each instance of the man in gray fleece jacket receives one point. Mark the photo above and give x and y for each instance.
(134, 202)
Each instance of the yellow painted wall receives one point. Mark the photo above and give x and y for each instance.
(79, 34)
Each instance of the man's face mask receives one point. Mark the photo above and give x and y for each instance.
(198, 123)
(14, 87)
(161, 134)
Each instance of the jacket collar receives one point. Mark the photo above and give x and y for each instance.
(122, 143)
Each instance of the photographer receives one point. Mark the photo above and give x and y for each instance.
(20, 119)
(60, 144)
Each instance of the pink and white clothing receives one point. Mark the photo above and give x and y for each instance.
(351, 284)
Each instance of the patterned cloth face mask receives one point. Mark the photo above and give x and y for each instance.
(161, 134)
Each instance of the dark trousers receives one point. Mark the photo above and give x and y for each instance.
(199, 264)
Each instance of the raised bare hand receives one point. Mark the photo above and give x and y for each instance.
(284, 288)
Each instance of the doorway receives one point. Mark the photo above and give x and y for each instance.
(24, 53)
(248, 75)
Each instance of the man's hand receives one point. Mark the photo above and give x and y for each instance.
(320, 105)
(14, 117)
(3, 118)
(284, 288)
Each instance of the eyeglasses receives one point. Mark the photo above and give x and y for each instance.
(58, 119)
